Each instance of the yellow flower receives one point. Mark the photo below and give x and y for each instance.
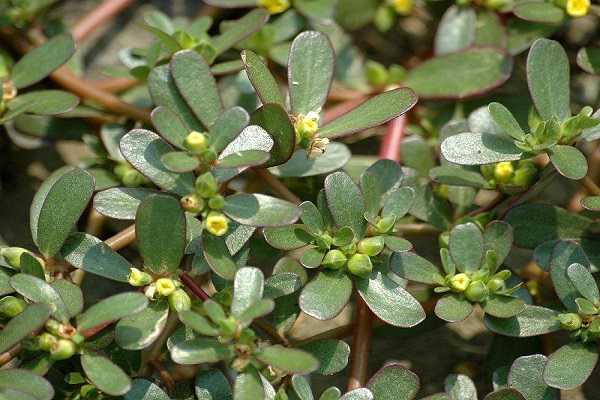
(217, 223)
(138, 278)
(460, 282)
(503, 171)
(307, 125)
(196, 142)
(165, 286)
(578, 8)
(402, 7)
(274, 6)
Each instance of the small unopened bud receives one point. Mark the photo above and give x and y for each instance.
(477, 291)
(525, 174)
(495, 285)
(577, 8)
(47, 341)
(179, 300)
(274, 6)
(385, 224)
(133, 178)
(403, 7)
(217, 223)
(503, 172)
(207, 185)
(53, 326)
(62, 349)
(460, 282)
(306, 126)
(138, 278)
(165, 286)
(371, 246)
(196, 142)
(192, 203)
(360, 265)
(120, 170)
(334, 259)
(11, 306)
(570, 321)
(12, 256)
(377, 74)
(216, 202)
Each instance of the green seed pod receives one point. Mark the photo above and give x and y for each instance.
(179, 300)
(196, 142)
(47, 341)
(570, 321)
(11, 306)
(495, 285)
(477, 291)
(385, 224)
(504, 274)
(53, 326)
(120, 170)
(334, 259)
(138, 278)
(360, 265)
(62, 349)
(349, 249)
(206, 185)
(371, 246)
(377, 74)
(133, 178)
(12, 256)
(459, 282)
(192, 203)
(216, 202)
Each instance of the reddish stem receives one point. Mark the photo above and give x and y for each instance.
(361, 343)
(98, 17)
(193, 287)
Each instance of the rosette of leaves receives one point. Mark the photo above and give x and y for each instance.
(553, 131)
(310, 72)
(469, 272)
(224, 334)
(526, 375)
(29, 70)
(172, 37)
(308, 8)
(572, 364)
(348, 237)
(54, 328)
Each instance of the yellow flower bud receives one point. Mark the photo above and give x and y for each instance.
(62, 349)
(402, 7)
(138, 278)
(274, 6)
(11, 306)
(477, 291)
(570, 321)
(503, 171)
(179, 300)
(578, 8)
(192, 203)
(306, 126)
(165, 286)
(460, 282)
(217, 223)
(196, 142)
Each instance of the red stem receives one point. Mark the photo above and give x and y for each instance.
(189, 283)
(390, 146)
(97, 18)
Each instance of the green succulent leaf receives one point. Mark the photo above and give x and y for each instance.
(239, 30)
(44, 102)
(120, 202)
(211, 385)
(282, 284)
(460, 387)
(389, 301)
(260, 210)
(248, 385)
(248, 287)
(475, 71)
(570, 366)
(415, 268)
(92, 255)
(179, 161)
(289, 237)
(456, 30)
(526, 375)
(274, 119)
(466, 246)
(548, 79)
(532, 321)
(142, 389)
(345, 202)
(264, 82)
(170, 126)
(505, 394)
(310, 71)
(41, 61)
(38, 291)
(105, 375)
(584, 282)
(373, 112)
(331, 393)
(591, 203)
(21, 326)
(218, 257)
(197, 85)
(566, 253)
(506, 120)
(501, 306)
(111, 309)
(457, 176)
(57, 206)
(394, 381)
(332, 355)
(138, 331)
(27, 383)
(453, 308)
(287, 359)
(569, 161)
(144, 150)
(533, 11)
(477, 149)
(498, 236)
(358, 394)
(324, 297)
(70, 294)
(588, 59)
(227, 128)
(300, 165)
(200, 350)
(198, 323)
(247, 158)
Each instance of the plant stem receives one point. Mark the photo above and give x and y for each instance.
(121, 239)
(591, 187)
(7, 356)
(193, 287)
(390, 146)
(114, 85)
(98, 17)
(276, 185)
